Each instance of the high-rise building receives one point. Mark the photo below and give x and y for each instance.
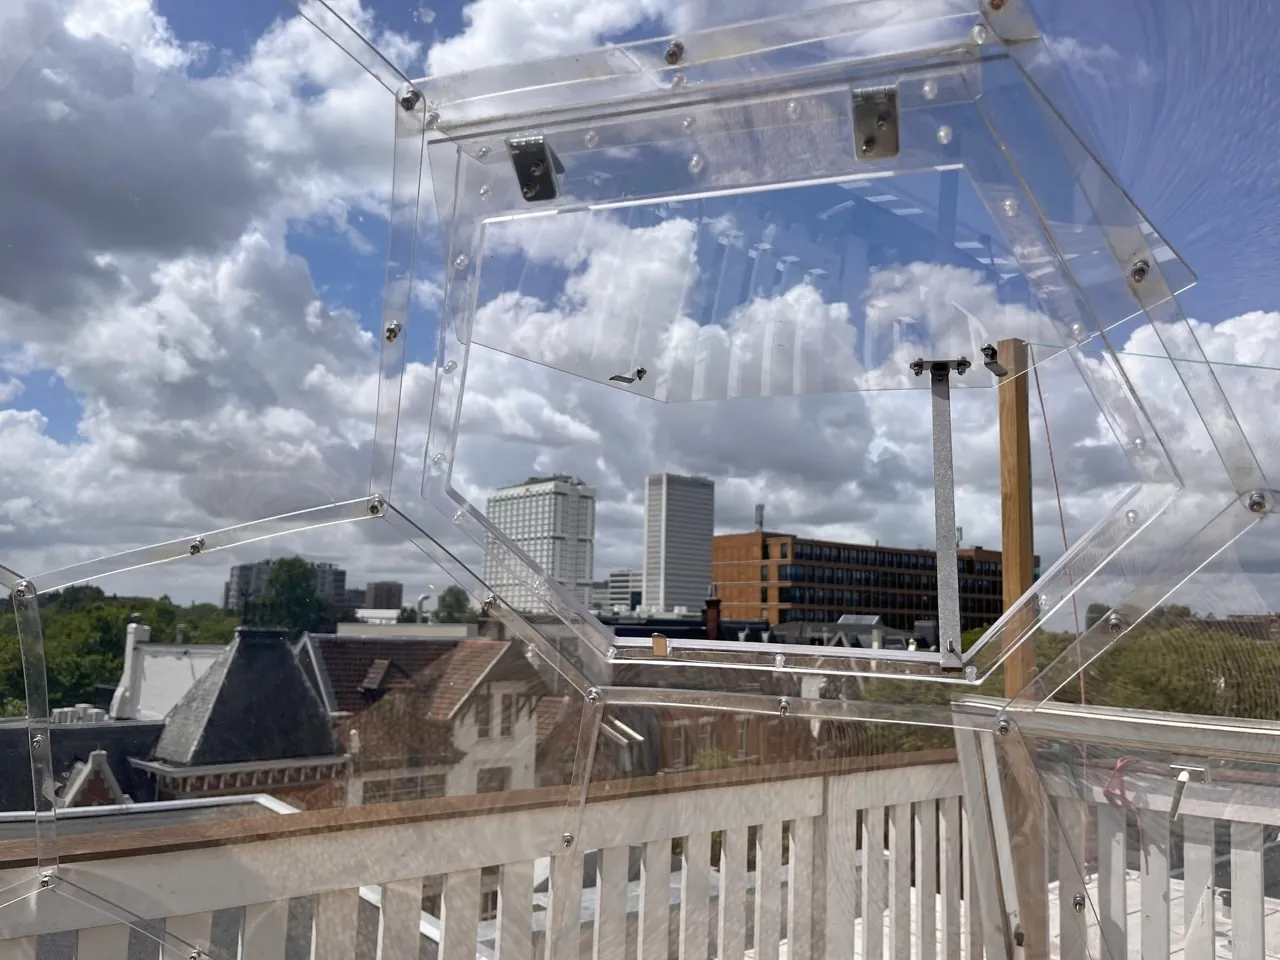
(331, 583)
(782, 578)
(245, 584)
(553, 520)
(679, 522)
(248, 581)
(384, 595)
(626, 589)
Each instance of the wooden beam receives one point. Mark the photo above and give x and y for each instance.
(1016, 524)
(1023, 799)
(113, 844)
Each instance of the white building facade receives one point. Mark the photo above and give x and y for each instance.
(679, 522)
(553, 520)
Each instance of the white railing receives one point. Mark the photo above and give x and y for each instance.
(292, 885)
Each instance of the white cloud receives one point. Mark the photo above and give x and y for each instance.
(215, 385)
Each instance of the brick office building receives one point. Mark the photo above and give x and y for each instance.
(780, 577)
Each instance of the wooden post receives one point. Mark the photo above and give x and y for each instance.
(1015, 505)
(1023, 799)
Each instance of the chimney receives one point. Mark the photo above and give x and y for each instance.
(760, 517)
(124, 703)
(711, 614)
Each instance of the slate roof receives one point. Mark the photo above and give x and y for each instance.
(72, 743)
(254, 703)
(346, 669)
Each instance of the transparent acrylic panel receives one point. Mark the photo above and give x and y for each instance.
(333, 690)
(1164, 825)
(746, 244)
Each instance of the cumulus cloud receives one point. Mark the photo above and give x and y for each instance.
(154, 270)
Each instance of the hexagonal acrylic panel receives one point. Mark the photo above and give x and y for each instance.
(727, 227)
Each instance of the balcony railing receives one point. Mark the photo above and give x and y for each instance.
(862, 858)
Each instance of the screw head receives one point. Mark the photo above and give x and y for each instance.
(37, 741)
(696, 163)
(1131, 517)
(46, 881)
(930, 89)
(460, 261)
(593, 695)
(590, 139)
(1077, 903)
(1004, 726)
(784, 707)
(482, 153)
(1258, 502)
(411, 100)
(375, 506)
(675, 53)
(869, 144)
(688, 123)
(22, 590)
(566, 840)
(1115, 623)
(1138, 272)
(392, 331)
(944, 134)
(996, 5)
(979, 34)
(489, 603)
(1010, 207)
(196, 546)
(432, 118)
(779, 661)
(450, 366)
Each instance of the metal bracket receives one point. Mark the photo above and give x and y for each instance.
(875, 123)
(536, 166)
(1185, 774)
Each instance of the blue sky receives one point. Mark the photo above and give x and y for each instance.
(285, 142)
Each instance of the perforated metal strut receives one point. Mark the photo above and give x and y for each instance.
(944, 506)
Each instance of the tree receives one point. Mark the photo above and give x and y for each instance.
(291, 600)
(407, 615)
(454, 606)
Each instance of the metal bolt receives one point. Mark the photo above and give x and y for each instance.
(196, 546)
(489, 603)
(22, 590)
(411, 99)
(392, 332)
(784, 707)
(675, 53)
(1138, 272)
(979, 34)
(375, 506)
(567, 840)
(868, 144)
(431, 119)
(1115, 623)
(37, 741)
(482, 153)
(1003, 726)
(536, 168)
(779, 661)
(1258, 502)
(593, 695)
(1077, 903)
(996, 5)
(46, 881)
(530, 191)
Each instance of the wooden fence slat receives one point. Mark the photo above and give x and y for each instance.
(610, 935)
(800, 890)
(655, 901)
(1247, 934)
(732, 935)
(515, 911)
(926, 878)
(460, 914)
(400, 922)
(1199, 907)
(695, 903)
(1113, 907)
(768, 918)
